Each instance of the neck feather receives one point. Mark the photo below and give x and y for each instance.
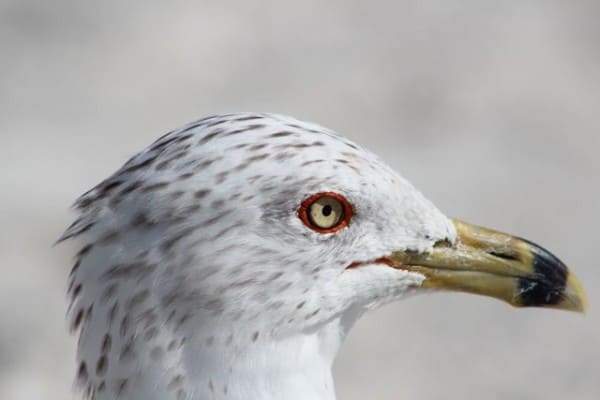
(297, 367)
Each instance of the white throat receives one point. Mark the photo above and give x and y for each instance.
(297, 367)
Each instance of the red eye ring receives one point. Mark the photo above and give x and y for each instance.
(304, 212)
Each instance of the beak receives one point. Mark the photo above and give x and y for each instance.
(490, 263)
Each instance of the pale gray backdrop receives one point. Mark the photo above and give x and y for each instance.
(490, 108)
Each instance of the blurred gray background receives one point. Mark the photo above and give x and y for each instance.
(490, 108)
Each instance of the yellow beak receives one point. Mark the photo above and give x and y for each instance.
(485, 262)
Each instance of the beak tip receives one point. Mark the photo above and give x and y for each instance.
(575, 296)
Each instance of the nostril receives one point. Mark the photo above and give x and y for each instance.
(442, 243)
(504, 256)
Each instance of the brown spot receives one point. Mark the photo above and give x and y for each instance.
(254, 127)
(280, 134)
(112, 313)
(275, 276)
(241, 284)
(140, 219)
(185, 176)
(88, 313)
(258, 157)
(110, 186)
(155, 186)
(217, 217)
(167, 245)
(177, 194)
(173, 312)
(312, 314)
(75, 268)
(182, 320)
(206, 163)
(77, 320)
(121, 387)
(106, 343)
(130, 188)
(108, 292)
(276, 305)
(242, 166)
(127, 350)
(148, 317)
(82, 203)
(166, 163)
(82, 372)
(284, 156)
(198, 123)
(305, 163)
(101, 366)
(84, 250)
(255, 178)
(201, 193)
(124, 328)
(150, 334)
(77, 232)
(211, 135)
(175, 382)
(192, 209)
(284, 287)
(215, 305)
(185, 137)
(258, 147)
(221, 176)
(137, 270)
(110, 237)
(248, 118)
(236, 131)
(218, 203)
(160, 144)
(138, 298)
(227, 229)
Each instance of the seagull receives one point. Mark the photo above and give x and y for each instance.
(231, 257)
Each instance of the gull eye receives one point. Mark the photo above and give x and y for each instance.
(325, 212)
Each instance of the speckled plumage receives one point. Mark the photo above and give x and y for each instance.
(197, 280)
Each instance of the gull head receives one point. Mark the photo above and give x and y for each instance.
(230, 258)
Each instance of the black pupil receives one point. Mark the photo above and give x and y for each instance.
(327, 210)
